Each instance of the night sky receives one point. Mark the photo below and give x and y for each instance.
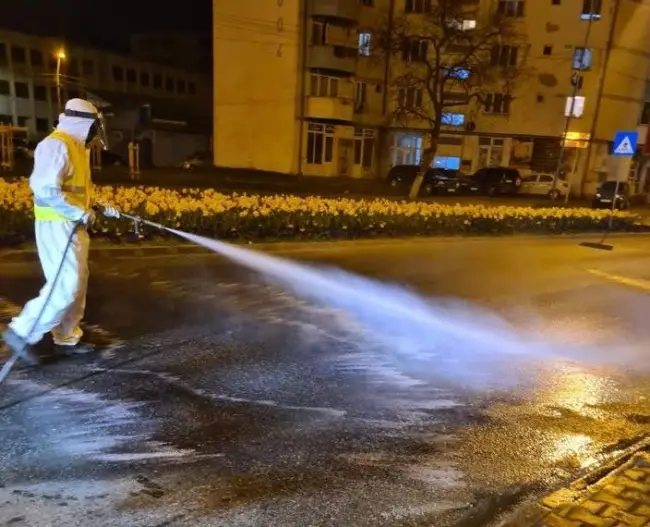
(105, 24)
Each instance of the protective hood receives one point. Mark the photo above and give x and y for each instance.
(79, 119)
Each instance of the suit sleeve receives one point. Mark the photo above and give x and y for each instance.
(51, 164)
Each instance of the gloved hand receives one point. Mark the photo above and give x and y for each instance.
(111, 212)
(89, 217)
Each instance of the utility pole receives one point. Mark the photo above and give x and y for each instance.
(576, 80)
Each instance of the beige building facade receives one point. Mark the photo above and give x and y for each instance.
(300, 87)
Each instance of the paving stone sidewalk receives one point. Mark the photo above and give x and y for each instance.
(620, 499)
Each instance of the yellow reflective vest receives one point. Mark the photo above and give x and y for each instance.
(76, 185)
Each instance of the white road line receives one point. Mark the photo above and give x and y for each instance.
(636, 283)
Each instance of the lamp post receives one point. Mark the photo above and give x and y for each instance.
(60, 57)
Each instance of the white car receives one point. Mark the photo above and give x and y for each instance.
(542, 185)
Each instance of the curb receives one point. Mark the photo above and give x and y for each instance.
(530, 513)
(136, 250)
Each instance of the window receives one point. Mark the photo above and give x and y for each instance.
(18, 55)
(320, 144)
(582, 58)
(410, 98)
(131, 76)
(157, 82)
(181, 86)
(548, 50)
(511, 8)
(364, 148)
(452, 119)
(145, 79)
(169, 84)
(36, 57)
(447, 162)
(40, 93)
(22, 121)
(318, 33)
(191, 88)
(73, 67)
(415, 50)
(574, 107)
(364, 44)
(490, 152)
(118, 74)
(497, 103)
(504, 55)
(88, 67)
(468, 25)
(42, 125)
(322, 86)
(457, 73)
(417, 6)
(5, 88)
(6, 119)
(591, 9)
(21, 90)
(407, 149)
(360, 95)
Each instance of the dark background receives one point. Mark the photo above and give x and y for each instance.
(105, 24)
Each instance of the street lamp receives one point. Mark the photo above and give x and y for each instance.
(60, 57)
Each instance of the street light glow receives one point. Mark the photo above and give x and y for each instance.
(60, 54)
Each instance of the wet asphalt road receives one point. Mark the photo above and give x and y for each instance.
(225, 400)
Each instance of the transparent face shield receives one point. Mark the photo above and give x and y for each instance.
(97, 132)
(100, 132)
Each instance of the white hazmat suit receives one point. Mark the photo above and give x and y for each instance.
(61, 185)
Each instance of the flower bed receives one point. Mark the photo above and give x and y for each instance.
(278, 217)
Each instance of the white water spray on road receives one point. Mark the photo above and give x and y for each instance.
(442, 341)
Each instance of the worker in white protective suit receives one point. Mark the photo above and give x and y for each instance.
(61, 185)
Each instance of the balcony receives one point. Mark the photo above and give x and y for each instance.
(335, 108)
(333, 58)
(349, 10)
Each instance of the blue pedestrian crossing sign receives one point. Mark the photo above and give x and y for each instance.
(625, 144)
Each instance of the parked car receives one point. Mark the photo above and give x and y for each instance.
(494, 181)
(608, 196)
(453, 183)
(542, 185)
(199, 159)
(436, 180)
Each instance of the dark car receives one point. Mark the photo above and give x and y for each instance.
(436, 180)
(495, 181)
(608, 196)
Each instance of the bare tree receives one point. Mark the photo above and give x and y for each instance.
(450, 56)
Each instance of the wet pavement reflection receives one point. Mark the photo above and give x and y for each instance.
(228, 401)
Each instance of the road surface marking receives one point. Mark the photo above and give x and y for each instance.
(636, 283)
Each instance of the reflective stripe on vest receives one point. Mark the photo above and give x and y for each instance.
(76, 186)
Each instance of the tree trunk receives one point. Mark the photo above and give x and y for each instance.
(428, 155)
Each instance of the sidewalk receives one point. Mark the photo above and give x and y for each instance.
(620, 499)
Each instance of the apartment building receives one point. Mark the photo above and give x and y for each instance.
(300, 87)
(28, 80)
